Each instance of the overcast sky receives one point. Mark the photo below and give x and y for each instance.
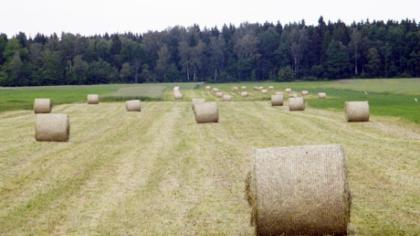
(99, 16)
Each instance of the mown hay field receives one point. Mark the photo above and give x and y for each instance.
(157, 172)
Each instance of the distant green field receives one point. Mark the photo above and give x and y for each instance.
(387, 97)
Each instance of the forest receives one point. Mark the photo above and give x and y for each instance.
(248, 52)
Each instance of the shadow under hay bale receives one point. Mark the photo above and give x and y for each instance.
(299, 191)
(93, 99)
(277, 100)
(133, 106)
(52, 127)
(357, 111)
(296, 104)
(42, 105)
(206, 112)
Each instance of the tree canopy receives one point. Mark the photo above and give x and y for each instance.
(269, 51)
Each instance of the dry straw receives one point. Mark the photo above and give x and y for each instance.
(264, 91)
(322, 95)
(133, 105)
(52, 127)
(42, 105)
(305, 92)
(244, 94)
(93, 99)
(227, 98)
(206, 112)
(208, 87)
(288, 90)
(296, 104)
(357, 111)
(299, 191)
(277, 100)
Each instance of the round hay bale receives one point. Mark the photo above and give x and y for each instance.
(296, 104)
(243, 87)
(264, 91)
(300, 191)
(304, 92)
(176, 88)
(244, 94)
(277, 100)
(206, 112)
(208, 87)
(227, 98)
(197, 101)
(52, 127)
(288, 90)
(322, 95)
(133, 105)
(219, 94)
(357, 111)
(178, 95)
(42, 105)
(235, 88)
(93, 99)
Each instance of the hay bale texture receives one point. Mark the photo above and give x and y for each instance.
(206, 112)
(357, 111)
(244, 94)
(264, 91)
(300, 191)
(219, 94)
(42, 105)
(322, 95)
(288, 90)
(52, 127)
(277, 100)
(304, 92)
(93, 99)
(296, 104)
(133, 105)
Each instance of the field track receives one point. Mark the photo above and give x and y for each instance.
(159, 173)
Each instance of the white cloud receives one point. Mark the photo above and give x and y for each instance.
(100, 16)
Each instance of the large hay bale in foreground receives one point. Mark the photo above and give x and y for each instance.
(277, 100)
(206, 112)
(322, 95)
(52, 127)
(296, 104)
(227, 98)
(300, 191)
(93, 99)
(357, 111)
(244, 94)
(133, 105)
(42, 105)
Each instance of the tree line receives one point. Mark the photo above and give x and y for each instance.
(248, 52)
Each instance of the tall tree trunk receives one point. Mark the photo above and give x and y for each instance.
(188, 72)
(356, 71)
